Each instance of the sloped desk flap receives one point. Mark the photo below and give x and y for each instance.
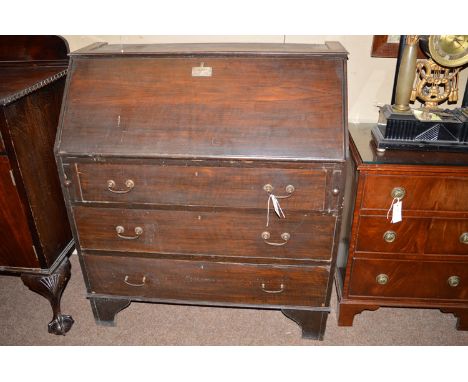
(279, 104)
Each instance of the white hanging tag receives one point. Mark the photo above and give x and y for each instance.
(277, 207)
(396, 212)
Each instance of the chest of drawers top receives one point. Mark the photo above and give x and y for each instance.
(209, 101)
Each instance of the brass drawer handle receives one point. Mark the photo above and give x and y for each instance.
(398, 193)
(382, 279)
(389, 236)
(128, 183)
(453, 281)
(285, 236)
(272, 291)
(464, 238)
(143, 281)
(120, 230)
(289, 189)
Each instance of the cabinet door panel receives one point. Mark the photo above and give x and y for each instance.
(15, 239)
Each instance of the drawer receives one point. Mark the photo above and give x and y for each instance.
(200, 186)
(208, 282)
(226, 233)
(413, 235)
(408, 279)
(431, 193)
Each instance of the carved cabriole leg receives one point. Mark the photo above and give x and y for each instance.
(346, 312)
(51, 287)
(105, 309)
(313, 324)
(462, 317)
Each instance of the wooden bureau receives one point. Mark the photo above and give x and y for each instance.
(421, 261)
(35, 235)
(170, 157)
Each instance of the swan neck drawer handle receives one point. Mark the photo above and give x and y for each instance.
(143, 281)
(120, 230)
(285, 236)
(281, 289)
(289, 190)
(130, 184)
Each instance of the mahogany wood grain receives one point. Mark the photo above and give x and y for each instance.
(225, 233)
(199, 185)
(413, 235)
(199, 151)
(32, 124)
(427, 249)
(425, 192)
(408, 279)
(206, 281)
(24, 48)
(330, 48)
(16, 246)
(282, 108)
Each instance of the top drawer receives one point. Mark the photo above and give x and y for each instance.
(199, 186)
(431, 193)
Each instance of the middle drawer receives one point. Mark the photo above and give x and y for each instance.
(238, 233)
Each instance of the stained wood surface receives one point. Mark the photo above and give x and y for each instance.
(283, 108)
(408, 279)
(426, 192)
(23, 48)
(225, 233)
(15, 240)
(254, 49)
(206, 281)
(199, 185)
(16, 81)
(32, 123)
(413, 235)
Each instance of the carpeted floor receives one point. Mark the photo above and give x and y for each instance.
(24, 316)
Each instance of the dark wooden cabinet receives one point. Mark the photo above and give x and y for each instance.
(421, 261)
(35, 235)
(170, 156)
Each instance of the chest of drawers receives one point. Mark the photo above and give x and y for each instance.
(170, 157)
(421, 261)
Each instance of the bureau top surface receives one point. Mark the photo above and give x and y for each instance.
(192, 104)
(367, 154)
(229, 49)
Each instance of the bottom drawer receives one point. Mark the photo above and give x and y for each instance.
(409, 279)
(207, 282)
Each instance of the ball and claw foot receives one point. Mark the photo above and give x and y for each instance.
(51, 287)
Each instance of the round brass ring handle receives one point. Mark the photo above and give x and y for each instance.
(285, 236)
(398, 192)
(120, 230)
(289, 189)
(281, 289)
(464, 238)
(143, 281)
(453, 281)
(128, 183)
(389, 236)
(382, 279)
